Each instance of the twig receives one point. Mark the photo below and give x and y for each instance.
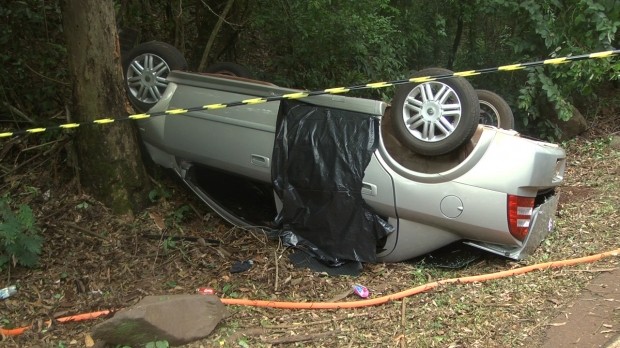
(45, 77)
(42, 145)
(275, 255)
(17, 112)
(320, 322)
(16, 168)
(218, 16)
(200, 240)
(157, 253)
(403, 340)
(301, 338)
(593, 270)
(232, 339)
(85, 231)
(33, 158)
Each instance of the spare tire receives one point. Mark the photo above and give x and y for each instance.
(146, 67)
(494, 110)
(435, 117)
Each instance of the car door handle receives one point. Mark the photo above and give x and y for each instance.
(369, 189)
(260, 161)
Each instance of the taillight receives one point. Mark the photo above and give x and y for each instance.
(520, 210)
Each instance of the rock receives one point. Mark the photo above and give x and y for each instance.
(615, 142)
(574, 126)
(177, 319)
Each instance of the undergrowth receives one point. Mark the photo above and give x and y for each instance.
(20, 242)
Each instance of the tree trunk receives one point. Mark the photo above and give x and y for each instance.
(109, 156)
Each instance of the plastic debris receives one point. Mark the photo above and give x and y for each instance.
(205, 291)
(361, 291)
(241, 266)
(8, 292)
(319, 158)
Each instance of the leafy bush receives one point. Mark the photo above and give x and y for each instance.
(549, 29)
(323, 43)
(20, 242)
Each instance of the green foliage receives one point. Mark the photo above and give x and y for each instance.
(20, 242)
(316, 44)
(168, 245)
(158, 344)
(320, 43)
(33, 58)
(243, 342)
(228, 290)
(171, 284)
(550, 29)
(180, 213)
(158, 193)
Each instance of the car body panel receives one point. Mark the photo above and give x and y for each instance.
(467, 202)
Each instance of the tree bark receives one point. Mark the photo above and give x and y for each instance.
(457, 40)
(111, 168)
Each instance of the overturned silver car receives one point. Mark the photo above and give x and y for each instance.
(494, 189)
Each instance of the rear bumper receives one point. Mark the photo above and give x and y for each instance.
(542, 224)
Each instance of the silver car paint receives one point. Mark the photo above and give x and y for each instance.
(467, 202)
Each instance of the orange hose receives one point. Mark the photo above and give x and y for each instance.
(418, 289)
(77, 317)
(361, 303)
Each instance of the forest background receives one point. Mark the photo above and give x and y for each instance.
(317, 44)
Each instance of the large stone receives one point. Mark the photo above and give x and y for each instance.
(576, 125)
(177, 319)
(615, 142)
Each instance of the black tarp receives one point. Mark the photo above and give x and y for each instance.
(319, 159)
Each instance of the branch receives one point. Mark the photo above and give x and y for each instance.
(17, 112)
(45, 77)
(224, 19)
(301, 338)
(216, 29)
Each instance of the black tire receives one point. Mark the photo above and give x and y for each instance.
(230, 69)
(423, 124)
(145, 69)
(494, 110)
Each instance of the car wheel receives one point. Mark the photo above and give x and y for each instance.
(436, 117)
(146, 67)
(230, 69)
(494, 110)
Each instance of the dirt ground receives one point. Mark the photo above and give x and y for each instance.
(592, 320)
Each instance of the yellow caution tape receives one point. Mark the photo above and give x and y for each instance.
(214, 106)
(379, 85)
(69, 125)
(139, 116)
(335, 90)
(254, 101)
(555, 61)
(176, 111)
(298, 95)
(467, 73)
(421, 79)
(510, 67)
(103, 121)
